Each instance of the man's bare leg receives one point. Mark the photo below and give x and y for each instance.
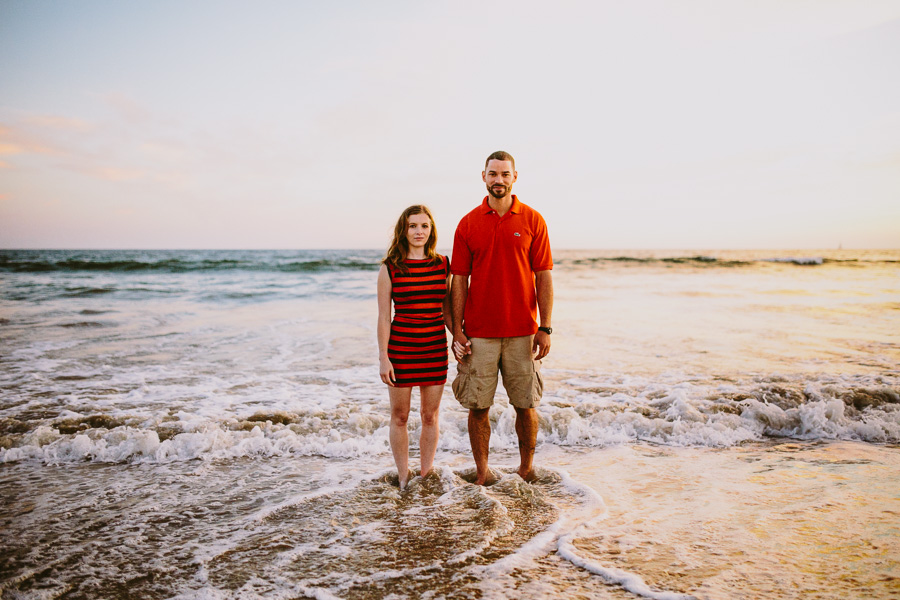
(431, 405)
(399, 437)
(480, 438)
(526, 430)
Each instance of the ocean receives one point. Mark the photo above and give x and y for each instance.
(211, 424)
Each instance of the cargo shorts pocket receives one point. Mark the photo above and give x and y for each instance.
(537, 391)
(461, 382)
(526, 387)
(472, 389)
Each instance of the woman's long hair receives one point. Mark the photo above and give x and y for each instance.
(399, 248)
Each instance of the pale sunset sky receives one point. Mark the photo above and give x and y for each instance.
(635, 124)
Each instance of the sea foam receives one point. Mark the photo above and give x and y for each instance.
(683, 414)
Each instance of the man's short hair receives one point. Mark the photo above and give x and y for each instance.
(500, 155)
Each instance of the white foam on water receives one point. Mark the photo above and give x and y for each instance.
(126, 444)
(204, 593)
(822, 419)
(334, 481)
(538, 546)
(506, 526)
(797, 260)
(558, 537)
(285, 591)
(629, 581)
(30, 573)
(317, 593)
(680, 415)
(345, 481)
(564, 547)
(688, 414)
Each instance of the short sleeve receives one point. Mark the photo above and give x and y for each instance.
(541, 257)
(462, 255)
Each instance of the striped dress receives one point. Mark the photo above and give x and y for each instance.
(418, 343)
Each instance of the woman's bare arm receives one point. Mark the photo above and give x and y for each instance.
(386, 369)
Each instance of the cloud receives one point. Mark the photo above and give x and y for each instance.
(116, 173)
(54, 143)
(888, 160)
(8, 148)
(128, 108)
(59, 123)
(16, 141)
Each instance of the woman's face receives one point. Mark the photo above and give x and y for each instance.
(418, 230)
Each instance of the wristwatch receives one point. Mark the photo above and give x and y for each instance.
(547, 330)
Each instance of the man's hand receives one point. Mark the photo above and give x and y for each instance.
(541, 345)
(461, 346)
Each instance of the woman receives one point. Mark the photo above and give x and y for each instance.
(413, 348)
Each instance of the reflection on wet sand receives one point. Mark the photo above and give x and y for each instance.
(764, 521)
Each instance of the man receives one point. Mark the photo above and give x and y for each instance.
(501, 276)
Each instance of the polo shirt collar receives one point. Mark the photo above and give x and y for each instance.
(515, 208)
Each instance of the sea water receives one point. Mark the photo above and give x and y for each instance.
(211, 424)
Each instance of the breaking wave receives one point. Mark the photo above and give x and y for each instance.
(685, 414)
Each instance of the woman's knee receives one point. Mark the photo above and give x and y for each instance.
(430, 419)
(399, 417)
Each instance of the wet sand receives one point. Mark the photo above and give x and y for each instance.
(779, 520)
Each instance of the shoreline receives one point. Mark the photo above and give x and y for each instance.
(768, 518)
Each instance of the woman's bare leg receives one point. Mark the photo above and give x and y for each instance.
(400, 399)
(431, 407)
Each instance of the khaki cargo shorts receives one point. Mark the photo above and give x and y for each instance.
(476, 376)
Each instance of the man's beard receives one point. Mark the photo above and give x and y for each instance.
(500, 194)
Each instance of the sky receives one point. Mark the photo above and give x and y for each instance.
(641, 124)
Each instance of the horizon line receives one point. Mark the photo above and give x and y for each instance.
(295, 249)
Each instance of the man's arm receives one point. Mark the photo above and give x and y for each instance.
(543, 282)
(459, 292)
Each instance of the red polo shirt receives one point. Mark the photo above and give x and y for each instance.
(500, 255)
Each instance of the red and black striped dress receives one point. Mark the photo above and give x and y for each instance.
(418, 343)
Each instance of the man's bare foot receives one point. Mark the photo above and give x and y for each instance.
(528, 476)
(488, 479)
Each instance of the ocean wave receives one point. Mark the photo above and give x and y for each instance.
(705, 261)
(137, 262)
(803, 261)
(88, 291)
(328, 265)
(723, 259)
(84, 325)
(697, 260)
(680, 415)
(315, 261)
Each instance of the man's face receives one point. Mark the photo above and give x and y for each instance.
(499, 177)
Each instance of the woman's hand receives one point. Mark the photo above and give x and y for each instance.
(387, 371)
(461, 346)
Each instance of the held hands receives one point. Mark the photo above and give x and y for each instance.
(387, 371)
(541, 345)
(461, 347)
